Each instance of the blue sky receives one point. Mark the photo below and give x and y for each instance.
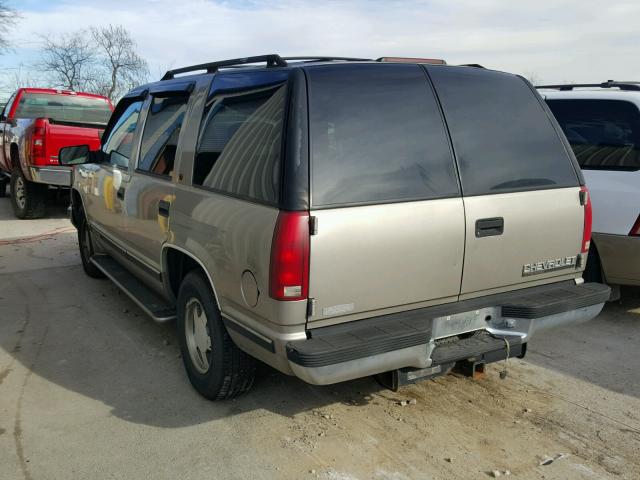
(556, 40)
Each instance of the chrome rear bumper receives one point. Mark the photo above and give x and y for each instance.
(375, 346)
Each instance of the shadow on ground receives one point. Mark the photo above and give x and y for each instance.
(86, 336)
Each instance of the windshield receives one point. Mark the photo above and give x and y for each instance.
(64, 108)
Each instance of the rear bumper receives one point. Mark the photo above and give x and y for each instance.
(59, 176)
(620, 258)
(440, 336)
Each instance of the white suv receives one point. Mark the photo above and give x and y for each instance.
(602, 124)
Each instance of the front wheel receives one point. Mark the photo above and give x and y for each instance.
(216, 367)
(27, 198)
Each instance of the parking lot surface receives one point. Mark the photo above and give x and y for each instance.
(91, 388)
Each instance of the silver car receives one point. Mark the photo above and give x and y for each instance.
(337, 218)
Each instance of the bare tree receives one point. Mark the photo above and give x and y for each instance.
(121, 65)
(20, 77)
(69, 59)
(8, 17)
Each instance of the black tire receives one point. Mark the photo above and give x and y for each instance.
(593, 271)
(86, 248)
(230, 371)
(3, 186)
(28, 198)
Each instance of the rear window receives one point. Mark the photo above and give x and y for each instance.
(377, 135)
(64, 108)
(502, 136)
(604, 134)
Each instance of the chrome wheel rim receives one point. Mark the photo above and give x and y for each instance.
(197, 335)
(20, 195)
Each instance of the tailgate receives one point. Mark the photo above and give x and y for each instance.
(64, 135)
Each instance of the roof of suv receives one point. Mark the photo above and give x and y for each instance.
(273, 61)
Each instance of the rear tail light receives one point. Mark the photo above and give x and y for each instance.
(289, 268)
(585, 199)
(38, 141)
(635, 230)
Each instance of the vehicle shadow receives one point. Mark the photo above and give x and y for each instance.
(603, 351)
(88, 337)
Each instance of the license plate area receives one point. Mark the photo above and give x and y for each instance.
(464, 322)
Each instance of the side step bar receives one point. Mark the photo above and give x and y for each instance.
(148, 300)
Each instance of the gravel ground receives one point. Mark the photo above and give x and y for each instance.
(91, 388)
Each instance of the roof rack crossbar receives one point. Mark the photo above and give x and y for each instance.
(272, 60)
(608, 84)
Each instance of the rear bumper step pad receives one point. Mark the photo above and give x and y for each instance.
(474, 346)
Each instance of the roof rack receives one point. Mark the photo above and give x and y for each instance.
(608, 84)
(327, 59)
(272, 60)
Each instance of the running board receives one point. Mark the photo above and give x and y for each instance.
(148, 300)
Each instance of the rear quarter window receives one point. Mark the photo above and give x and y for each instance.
(377, 135)
(502, 136)
(604, 134)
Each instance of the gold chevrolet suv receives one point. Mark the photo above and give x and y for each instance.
(337, 218)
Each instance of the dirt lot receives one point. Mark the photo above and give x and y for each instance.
(91, 388)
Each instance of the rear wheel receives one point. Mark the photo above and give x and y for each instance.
(86, 248)
(27, 198)
(216, 367)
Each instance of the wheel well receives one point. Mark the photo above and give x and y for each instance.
(177, 265)
(15, 156)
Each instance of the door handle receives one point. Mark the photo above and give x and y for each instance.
(487, 227)
(120, 193)
(163, 208)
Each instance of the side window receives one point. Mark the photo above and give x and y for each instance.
(7, 107)
(604, 134)
(120, 142)
(240, 143)
(160, 135)
(502, 135)
(377, 135)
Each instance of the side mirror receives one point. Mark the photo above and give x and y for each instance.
(74, 155)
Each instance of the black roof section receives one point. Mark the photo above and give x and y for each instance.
(634, 86)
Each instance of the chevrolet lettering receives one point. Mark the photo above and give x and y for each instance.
(541, 267)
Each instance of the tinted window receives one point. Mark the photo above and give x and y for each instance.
(64, 108)
(120, 142)
(7, 107)
(160, 135)
(604, 134)
(501, 133)
(376, 135)
(240, 144)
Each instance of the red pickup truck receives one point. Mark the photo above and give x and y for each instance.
(34, 125)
